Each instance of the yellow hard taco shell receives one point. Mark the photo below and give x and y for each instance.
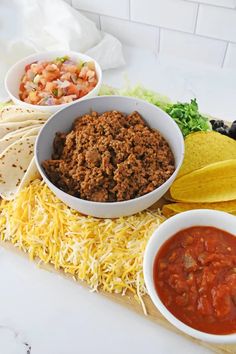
(169, 210)
(204, 148)
(213, 183)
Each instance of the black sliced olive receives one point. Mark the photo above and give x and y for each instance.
(221, 130)
(217, 124)
(232, 130)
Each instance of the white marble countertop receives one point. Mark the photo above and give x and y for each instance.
(43, 313)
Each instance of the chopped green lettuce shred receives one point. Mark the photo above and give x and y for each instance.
(186, 115)
(139, 92)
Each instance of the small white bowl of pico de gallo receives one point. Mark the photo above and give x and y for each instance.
(50, 81)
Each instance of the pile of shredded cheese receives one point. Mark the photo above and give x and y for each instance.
(105, 253)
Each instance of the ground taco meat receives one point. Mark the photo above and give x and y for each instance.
(109, 157)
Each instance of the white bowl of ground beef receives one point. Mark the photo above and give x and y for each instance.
(112, 163)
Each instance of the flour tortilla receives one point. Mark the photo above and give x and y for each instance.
(7, 140)
(31, 174)
(7, 127)
(14, 163)
(33, 131)
(18, 114)
(22, 131)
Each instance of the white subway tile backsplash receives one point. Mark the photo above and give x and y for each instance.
(130, 33)
(174, 14)
(226, 3)
(217, 22)
(93, 17)
(118, 8)
(201, 31)
(193, 48)
(230, 59)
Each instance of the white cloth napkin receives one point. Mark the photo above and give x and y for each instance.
(29, 26)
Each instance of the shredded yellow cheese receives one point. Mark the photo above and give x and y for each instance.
(107, 254)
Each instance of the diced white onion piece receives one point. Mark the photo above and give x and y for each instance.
(37, 79)
(63, 84)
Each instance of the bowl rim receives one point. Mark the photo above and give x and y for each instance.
(127, 202)
(34, 56)
(148, 276)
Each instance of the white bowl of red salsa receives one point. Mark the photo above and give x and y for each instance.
(190, 273)
(52, 80)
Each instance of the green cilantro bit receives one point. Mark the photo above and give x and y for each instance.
(62, 59)
(80, 64)
(186, 115)
(188, 118)
(55, 92)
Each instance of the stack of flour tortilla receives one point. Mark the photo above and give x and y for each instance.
(19, 128)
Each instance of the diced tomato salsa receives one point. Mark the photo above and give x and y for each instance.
(195, 278)
(57, 81)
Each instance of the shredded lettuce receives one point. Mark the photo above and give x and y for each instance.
(186, 115)
(139, 92)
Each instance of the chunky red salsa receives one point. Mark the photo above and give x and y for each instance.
(195, 278)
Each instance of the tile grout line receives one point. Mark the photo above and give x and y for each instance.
(225, 54)
(164, 28)
(211, 5)
(169, 29)
(189, 1)
(199, 35)
(102, 14)
(195, 26)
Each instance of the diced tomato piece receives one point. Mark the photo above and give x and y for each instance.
(40, 86)
(66, 76)
(51, 75)
(50, 86)
(22, 87)
(72, 90)
(27, 67)
(69, 68)
(83, 72)
(81, 79)
(204, 270)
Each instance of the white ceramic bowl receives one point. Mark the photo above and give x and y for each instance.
(62, 121)
(201, 217)
(15, 73)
